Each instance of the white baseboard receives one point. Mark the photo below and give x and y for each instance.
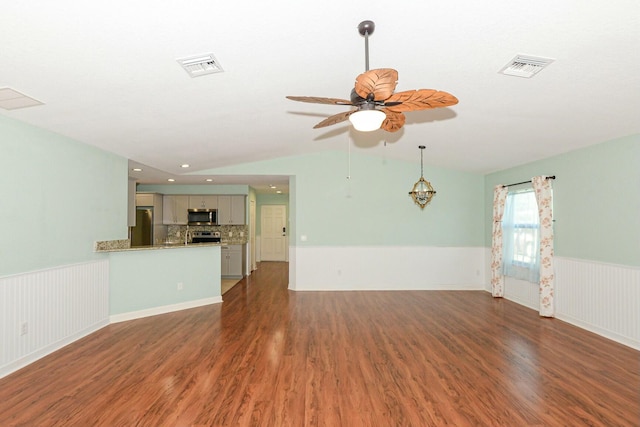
(624, 340)
(123, 317)
(45, 351)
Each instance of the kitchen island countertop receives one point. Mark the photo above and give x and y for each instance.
(124, 245)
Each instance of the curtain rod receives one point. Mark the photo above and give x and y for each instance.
(526, 182)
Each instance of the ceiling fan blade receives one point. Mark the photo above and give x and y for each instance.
(422, 99)
(393, 122)
(320, 100)
(380, 82)
(336, 118)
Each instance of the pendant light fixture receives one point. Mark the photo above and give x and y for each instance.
(422, 191)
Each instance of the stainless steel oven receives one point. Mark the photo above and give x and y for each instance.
(205, 237)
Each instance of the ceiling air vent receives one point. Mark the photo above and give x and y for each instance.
(11, 99)
(200, 65)
(525, 66)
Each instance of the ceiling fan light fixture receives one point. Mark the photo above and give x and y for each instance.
(367, 120)
(378, 105)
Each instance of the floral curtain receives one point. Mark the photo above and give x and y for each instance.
(497, 279)
(544, 197)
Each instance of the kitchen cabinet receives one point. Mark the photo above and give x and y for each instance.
(233, 260)
(144, 199)
(231, 210)
(203, 202)
(174, 210)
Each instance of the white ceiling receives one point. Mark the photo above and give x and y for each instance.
(107, 75)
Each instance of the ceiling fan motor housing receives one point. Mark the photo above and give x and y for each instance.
(357, 100)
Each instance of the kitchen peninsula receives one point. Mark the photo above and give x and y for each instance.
(150, 280)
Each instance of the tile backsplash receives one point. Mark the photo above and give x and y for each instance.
(175, 233)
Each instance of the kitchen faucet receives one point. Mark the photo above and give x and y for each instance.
(186, 236)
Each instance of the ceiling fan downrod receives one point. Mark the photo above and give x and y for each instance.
(365, 28)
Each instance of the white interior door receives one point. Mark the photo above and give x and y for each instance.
(273, 234)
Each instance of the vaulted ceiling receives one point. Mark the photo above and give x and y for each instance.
(107, 75)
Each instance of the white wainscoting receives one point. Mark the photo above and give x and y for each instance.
(602, 298)
(599, 297)
(523, 292)
(330, 268)
(54, 307)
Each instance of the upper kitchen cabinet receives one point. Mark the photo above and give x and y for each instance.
(151, 200)
(203, 202)
(174, 210)
(144, 199)
(231, 210)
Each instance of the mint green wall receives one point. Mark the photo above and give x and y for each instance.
(596, 200)
(147, 279)
(57, 197)
(269, 199)
(373, 207)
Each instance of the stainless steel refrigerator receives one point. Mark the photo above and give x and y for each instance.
(142, 233)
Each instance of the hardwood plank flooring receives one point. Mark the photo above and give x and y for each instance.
(267, 356)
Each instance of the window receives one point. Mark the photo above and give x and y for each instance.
(521, 236)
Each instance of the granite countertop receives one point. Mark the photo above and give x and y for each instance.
(125, 245)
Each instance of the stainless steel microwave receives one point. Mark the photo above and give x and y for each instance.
(202, 217)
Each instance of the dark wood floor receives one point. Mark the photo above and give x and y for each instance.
(267, 356)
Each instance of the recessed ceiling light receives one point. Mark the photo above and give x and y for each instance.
(279, 192)
(209, 180)
(171, 180)
(136, 170)
(184, 165)
(272, 186)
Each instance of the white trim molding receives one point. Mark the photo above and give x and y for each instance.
(123, 317)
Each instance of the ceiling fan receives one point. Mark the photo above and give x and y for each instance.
(377, 106)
